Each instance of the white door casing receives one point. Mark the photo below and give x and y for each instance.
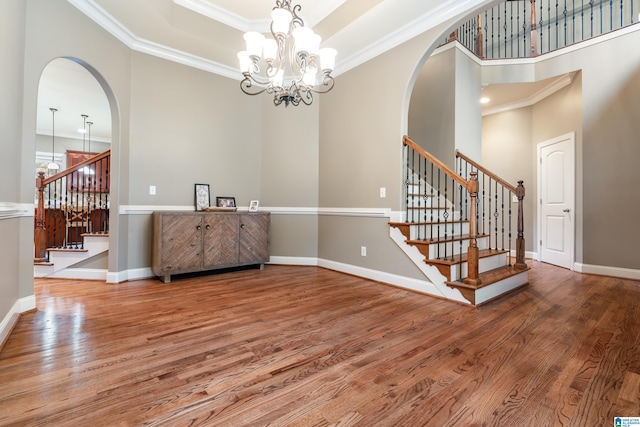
(556, 200)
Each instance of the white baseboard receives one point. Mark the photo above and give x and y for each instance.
(12, 317)
(133, 274)
(423, 286)
(291, 260)
(417, 285)
(603, 270)
(527, 254)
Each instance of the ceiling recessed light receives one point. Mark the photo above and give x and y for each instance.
(484, 100)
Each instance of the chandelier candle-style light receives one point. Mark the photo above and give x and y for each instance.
(291, 65)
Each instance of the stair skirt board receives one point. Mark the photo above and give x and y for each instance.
(474, 297)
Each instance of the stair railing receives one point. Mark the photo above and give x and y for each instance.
(495, 216)
(439, 202)
(443, 204)
(71, 203)
(527, 28)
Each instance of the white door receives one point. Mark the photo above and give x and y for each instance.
(556, 190)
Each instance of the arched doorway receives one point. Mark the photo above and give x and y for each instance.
(73, 126)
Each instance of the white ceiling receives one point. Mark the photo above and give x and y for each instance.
(207, 34)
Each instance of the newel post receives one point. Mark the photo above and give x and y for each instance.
(40, 233)
(534, 30)
(520, 264)
(473, 275)
(479, 37)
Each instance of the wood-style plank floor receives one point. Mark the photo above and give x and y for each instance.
(306, 346)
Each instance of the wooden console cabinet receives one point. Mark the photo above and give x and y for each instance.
(186, 242)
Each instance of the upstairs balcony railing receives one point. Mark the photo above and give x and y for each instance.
(72, 203)
(527, 28)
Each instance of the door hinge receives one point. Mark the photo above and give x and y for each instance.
(540, 242)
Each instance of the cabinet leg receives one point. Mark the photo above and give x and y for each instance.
(166, 278)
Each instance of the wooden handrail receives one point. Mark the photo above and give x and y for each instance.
(410, 143)
(519, 192)
(76, 167)
(40, 232)
(487, 172)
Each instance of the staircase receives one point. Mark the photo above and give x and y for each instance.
(458, 228)
(63, 263)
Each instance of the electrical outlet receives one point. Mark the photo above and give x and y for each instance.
(383, 192)
(152, 190)
(363, 251)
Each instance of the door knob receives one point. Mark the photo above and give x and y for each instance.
(566, 210)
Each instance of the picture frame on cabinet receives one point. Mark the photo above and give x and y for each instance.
(203, 199)
(253, 206)
(225, 202)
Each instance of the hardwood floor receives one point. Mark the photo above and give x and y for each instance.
(306, 346)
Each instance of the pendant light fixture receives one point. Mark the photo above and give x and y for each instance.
(86, 170)
(89, 135)
(53, 165)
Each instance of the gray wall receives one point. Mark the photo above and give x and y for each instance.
(601, 106)
(16, 258)
(507, 150)
(432, 112)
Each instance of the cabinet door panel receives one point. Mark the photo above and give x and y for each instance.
(220, 239)
(181, 242)
(254, 238)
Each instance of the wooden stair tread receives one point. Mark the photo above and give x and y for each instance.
(490, 277)
(95, 235)
(482, 253)
(432, 208)
(408, 224)
(67, 250)
(454, 238)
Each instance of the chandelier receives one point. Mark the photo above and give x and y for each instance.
(290, 66)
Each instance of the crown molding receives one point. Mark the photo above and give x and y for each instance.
(210, 10)
(105, 20)
(411, 29)
(236, 21)
(546, 91)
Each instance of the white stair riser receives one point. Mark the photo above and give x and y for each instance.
(501, 287)
(433, 249)
(484, 264)
(432, 215)
(416, 200)
(428, 231)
